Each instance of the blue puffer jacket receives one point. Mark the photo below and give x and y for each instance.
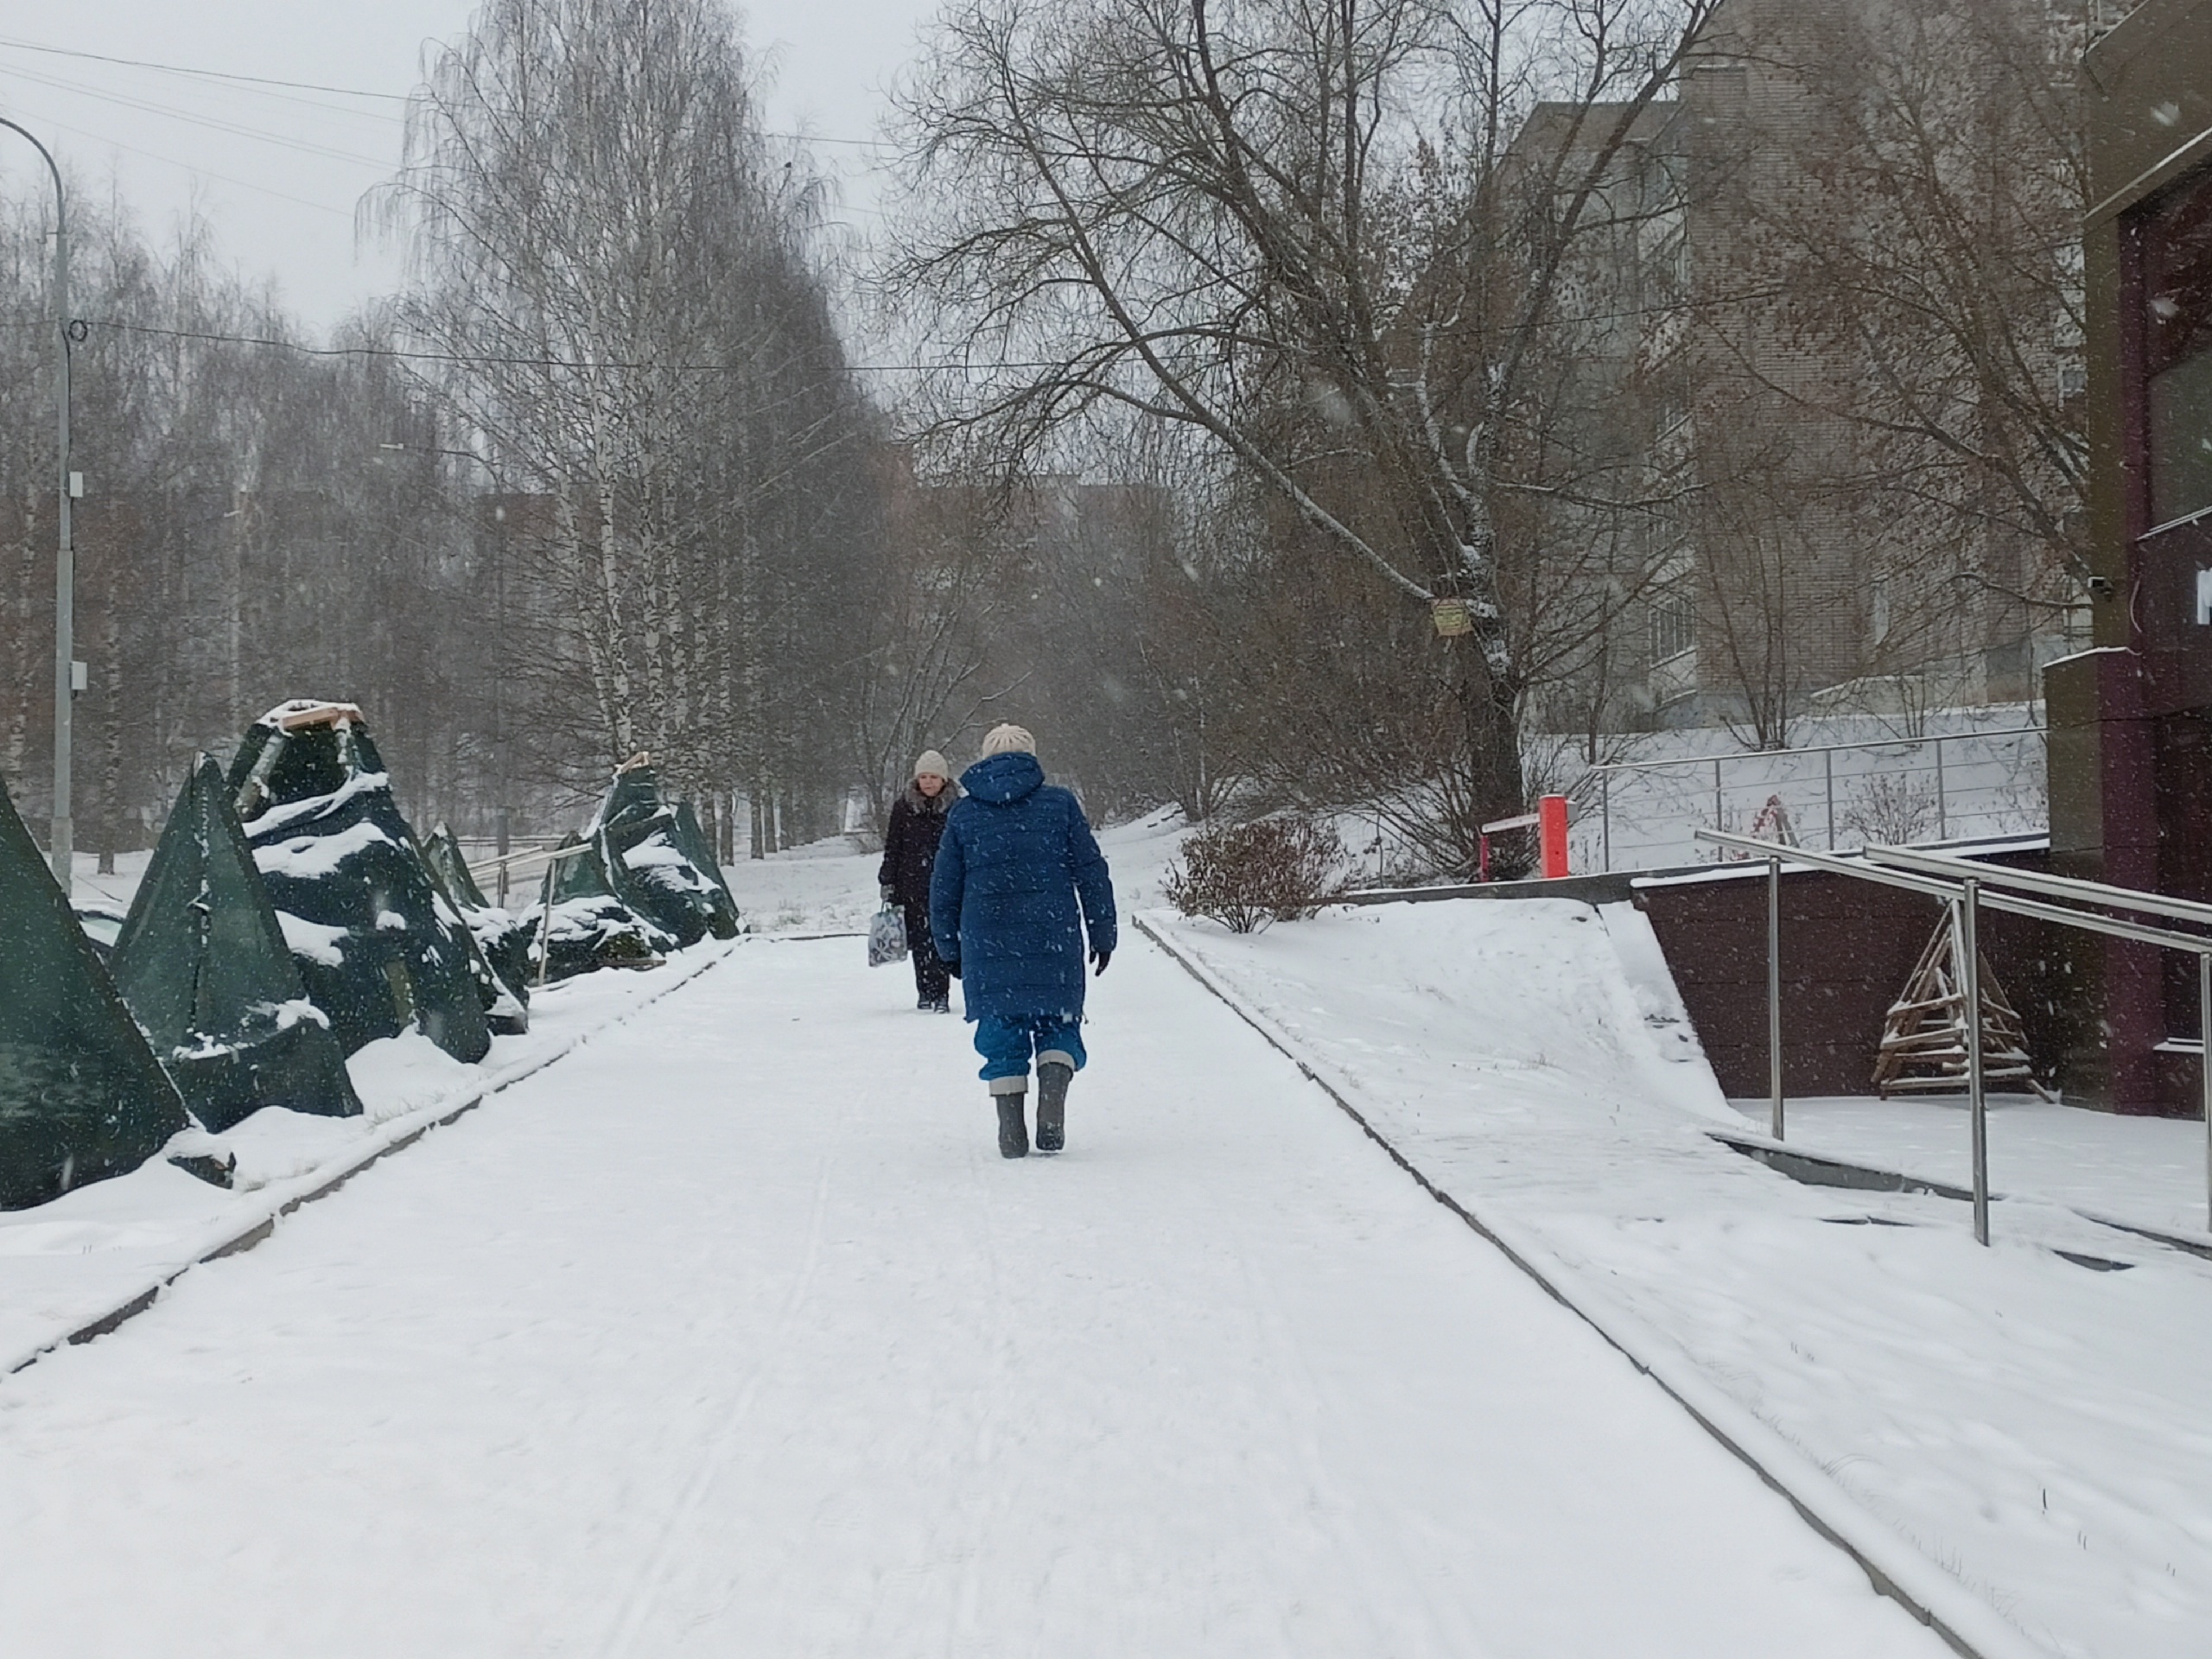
(1015, 857)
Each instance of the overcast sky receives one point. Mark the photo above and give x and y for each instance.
(278, 171)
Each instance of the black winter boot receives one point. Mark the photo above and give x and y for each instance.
(1013, 1129)
(1053, 1080)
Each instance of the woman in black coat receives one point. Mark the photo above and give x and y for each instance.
(909, 857)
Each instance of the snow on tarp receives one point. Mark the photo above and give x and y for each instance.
(578, 923)
(693, 840)
(643, 882)
(502, 939)
(658, 861)
(204, 963)
(81, 1096)
(336, 854)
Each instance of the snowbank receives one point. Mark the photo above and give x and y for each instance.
(2031, 1426)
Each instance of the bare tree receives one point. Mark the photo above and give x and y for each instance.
(260, 521)
(1330, 236)
(1908, 191)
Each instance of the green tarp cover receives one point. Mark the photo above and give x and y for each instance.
(502, 941)
(693, 840)
(357, 907)
(650, 868)
(590, 927)
(81, 1096)
(202, 963)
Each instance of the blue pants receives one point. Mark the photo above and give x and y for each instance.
(1005, 1045)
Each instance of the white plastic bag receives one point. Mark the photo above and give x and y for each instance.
(886, 937)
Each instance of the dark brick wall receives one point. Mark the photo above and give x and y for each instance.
(1847, 949)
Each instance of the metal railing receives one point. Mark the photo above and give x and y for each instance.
(1912, 790)
(551, 856)
(496, 872)
(1963, 885)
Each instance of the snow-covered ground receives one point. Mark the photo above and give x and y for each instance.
(731, 1334)
(75, 1260)
(2147, 1171)
(2034, 1428)
(829, 886)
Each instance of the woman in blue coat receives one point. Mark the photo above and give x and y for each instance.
(1019, 882)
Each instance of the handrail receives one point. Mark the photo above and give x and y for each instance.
(1836, 863)
(2056, 886)
(1817, 748)
(1960, 883)
(1945, 886)
(553, 856)
(512, 861)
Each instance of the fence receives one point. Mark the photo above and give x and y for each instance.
(1965, 887)
(1649, 814)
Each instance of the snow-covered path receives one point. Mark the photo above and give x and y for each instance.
(731, 1335)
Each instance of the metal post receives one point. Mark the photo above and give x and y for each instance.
(1967, 919)
(63, 834)
(1827, 765)
(545, 923)
(1942, 806)
(1774, 990)
(65, 561)
(1605, 821)
(2204, 1065)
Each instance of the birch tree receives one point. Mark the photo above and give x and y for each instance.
(614, 265)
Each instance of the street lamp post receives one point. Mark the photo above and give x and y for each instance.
(65, 563)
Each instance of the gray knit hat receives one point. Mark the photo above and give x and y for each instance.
(1008, 740)
(933, 764)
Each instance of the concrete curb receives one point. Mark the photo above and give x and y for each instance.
(1972, 1627)
(237, 1234)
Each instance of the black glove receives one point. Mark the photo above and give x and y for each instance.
(952, 968)
(890, 895)
(1098, 961)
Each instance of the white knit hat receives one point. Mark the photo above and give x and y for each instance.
(932, 765)
(1008, 740)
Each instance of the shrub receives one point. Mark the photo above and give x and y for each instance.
(1247, 875)
(1891, 809)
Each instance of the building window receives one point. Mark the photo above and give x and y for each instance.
(2177, 266)
(1673, 621)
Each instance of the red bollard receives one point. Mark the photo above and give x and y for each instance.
(1551, 835)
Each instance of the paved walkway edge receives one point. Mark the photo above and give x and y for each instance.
(1968, 1624)
(281, 1198)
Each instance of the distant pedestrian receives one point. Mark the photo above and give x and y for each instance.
(909, 856)
(1020, 880)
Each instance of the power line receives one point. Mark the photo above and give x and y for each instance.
(313, 86)
(405, 355)
(193, 168)
(488, 359)
(206, 74)
(304, 146)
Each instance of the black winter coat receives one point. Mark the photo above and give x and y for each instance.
(910, 844)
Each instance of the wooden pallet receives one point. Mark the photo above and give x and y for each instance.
(1924, 1035)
